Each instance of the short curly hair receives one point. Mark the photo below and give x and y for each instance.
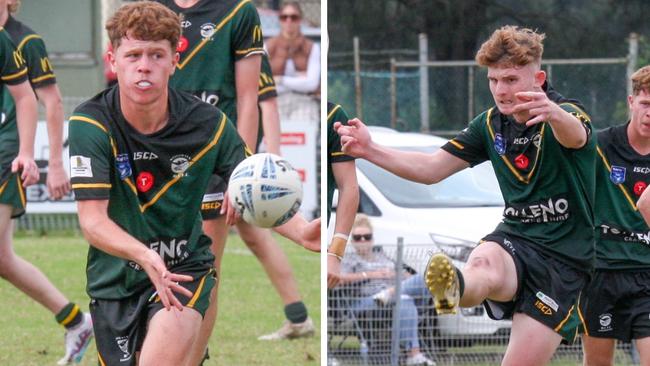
(641, 80)
(511, 46)
(144, 20)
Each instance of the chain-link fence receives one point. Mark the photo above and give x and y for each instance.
(368, 324)
(386, 89)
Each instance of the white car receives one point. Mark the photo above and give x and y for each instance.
(451, 216)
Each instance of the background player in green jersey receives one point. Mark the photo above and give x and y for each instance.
(341, 175)
(616, 303)
(31, 53)
(138, 203)
(532, 267)
(220, 55)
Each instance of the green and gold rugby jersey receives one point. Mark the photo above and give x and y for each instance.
(548, 189)
(12, 72)
(216, 34)
(335, 113)
(154, 183)
(622, 174)
(31, 49)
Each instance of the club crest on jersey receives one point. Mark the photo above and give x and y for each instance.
(123, 166)
(207, 30)
(617, 175)
(499, 144)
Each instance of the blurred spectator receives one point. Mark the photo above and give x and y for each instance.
(374, 275)
(295, 59)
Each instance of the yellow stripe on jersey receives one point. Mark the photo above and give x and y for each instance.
(249, 50)
(26, 39)
(182, 64)
(620, 185)
(457, 144)
(41, 78)
(331, 113)
(514, 171)
(266, 90)
(337, 153)
(14, 76)
(193, 161)
(88, 120)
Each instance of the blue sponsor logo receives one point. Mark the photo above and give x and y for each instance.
(499, 144)
(617, 176)
(123, 166)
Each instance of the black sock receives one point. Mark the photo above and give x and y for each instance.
(69, 316)
(461, 282)
(296, 312)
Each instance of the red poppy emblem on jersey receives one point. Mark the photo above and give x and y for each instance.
(182, 44)
(144, 182)
(639, 187)
(521, 161)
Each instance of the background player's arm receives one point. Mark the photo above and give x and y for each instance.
(105, 235)
(57, 181)
(26, 115)
(412, 165)
(348, 202)
(247, 76)
(271, 124)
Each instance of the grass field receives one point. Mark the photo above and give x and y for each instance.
(248, 306)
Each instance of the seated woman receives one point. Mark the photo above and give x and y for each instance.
(295, 59)
(374, 273)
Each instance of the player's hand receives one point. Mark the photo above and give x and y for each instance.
(355, 137)
(58, 184)
(311, 236)
(165, 282)
(27, 168)
(227, 209)
(538, 106)
(333, 271)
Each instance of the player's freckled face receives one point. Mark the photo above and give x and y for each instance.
(143, 69)
(640, 113)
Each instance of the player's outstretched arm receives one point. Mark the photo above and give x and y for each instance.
(104, 234)
(247, 76)
(26, 115)
(303, 232)
(567, 129)
(412, 165)
(58, 183)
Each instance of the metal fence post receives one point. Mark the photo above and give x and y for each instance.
(393, 94)
(357, 77)
(424, 83)
(632, 59)
(470, 93)
(399, 265)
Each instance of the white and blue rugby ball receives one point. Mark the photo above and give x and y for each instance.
(265, 189)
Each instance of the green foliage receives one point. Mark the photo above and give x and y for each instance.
(248, 306)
